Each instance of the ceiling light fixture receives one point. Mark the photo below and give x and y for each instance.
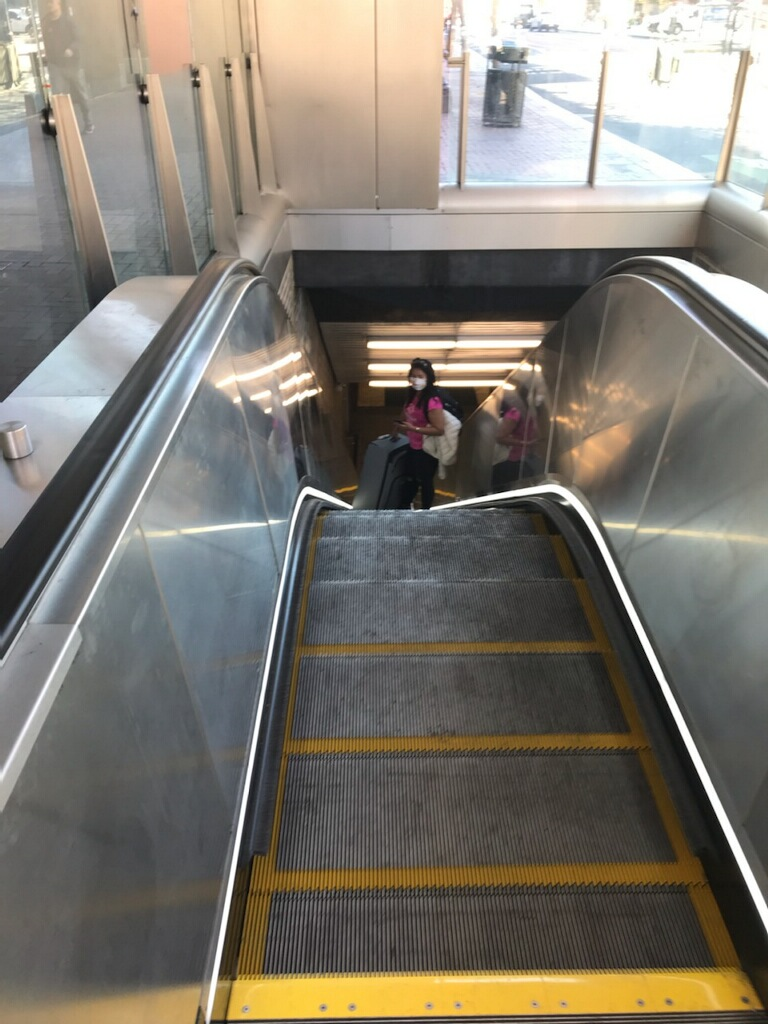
(458, 367)
(498, 343)
(412, 344)
(384, 382)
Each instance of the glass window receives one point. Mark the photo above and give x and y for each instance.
(188, 146)
(668, 98)
(41, 287)
(532, 94)
(748, 165)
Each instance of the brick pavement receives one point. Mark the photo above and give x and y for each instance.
(550, 145)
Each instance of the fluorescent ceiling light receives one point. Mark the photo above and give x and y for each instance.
(384, 382)
(458, 367)
(446, 344)
(414, 345)
(498, 343)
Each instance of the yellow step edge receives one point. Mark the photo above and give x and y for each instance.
(523, 742)
(455, 648)
(653, 873)
(546, 994)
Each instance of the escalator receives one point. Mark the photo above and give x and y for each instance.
(469, 818)
(264, 757)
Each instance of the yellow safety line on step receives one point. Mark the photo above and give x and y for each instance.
(264, 869)
(665, 806)
(591, 614)
(713, 928)
(455, 648)
(651, 770)
(625, 698)
(545, 994)
(431, 877)
(712, 924)
(521, 742)
(254, 935)
(563, 555)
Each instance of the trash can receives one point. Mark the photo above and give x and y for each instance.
(505, 86)
(667, 63)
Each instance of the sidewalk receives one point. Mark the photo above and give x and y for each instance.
(551, 145)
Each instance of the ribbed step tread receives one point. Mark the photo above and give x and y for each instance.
(444, 559)
(386, 612)
(467, 523)
(512, 929)
(463, 695)
(401, 810)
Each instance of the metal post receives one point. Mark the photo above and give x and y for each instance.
(264, 158)
(250, 200)
(462, 62)
(225, 232)
(87, 221)
(178, 235)
(727, 147)
(595, 143)
(463, 125)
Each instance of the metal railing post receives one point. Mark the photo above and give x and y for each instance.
(595, 143)
(98, 268)
(727, 147)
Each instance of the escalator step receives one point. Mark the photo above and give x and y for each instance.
(385, 612)
(513, 929)
(461, 695)
(421, 558)
(475, 523)
(403, 810)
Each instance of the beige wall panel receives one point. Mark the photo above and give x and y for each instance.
(317, 64)
(409, 70)
(540, 230)
(733, 238)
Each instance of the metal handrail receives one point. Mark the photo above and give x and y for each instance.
(33, 551)
(745, 311)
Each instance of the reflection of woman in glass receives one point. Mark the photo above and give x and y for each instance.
(422, 417)
(517, 431)
(62, 51)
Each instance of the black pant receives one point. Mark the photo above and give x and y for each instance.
(420, 470)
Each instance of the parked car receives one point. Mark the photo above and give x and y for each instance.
(19, 20)
(544, 22)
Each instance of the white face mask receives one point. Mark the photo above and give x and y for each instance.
(418, 383)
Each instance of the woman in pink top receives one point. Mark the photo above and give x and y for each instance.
(517, 430)
(422, 417)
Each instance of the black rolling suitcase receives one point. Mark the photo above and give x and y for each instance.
(383, 475)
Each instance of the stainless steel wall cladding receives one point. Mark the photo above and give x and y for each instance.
(661, 426)
(114, 841)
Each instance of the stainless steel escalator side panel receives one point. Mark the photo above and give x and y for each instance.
(658, 418)
(734, 832)
(118, 834)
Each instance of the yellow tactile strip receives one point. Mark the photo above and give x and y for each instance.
(547, 994)
(461, 995)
